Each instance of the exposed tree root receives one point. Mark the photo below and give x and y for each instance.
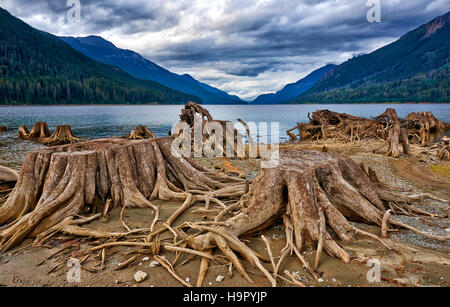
(63, 135)
(312, 190)
(421, 128)
(64, 181)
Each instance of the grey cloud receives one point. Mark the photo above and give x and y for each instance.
(242, 42)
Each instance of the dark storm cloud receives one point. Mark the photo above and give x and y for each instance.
(252, 44)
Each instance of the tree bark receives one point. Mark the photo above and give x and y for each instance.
(63, 181)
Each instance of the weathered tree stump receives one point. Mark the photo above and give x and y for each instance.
(444, 149)
(315, 194)
(426, 125)
(396, 134)
(23, 132)
(141, 132)
(3, 129)
(60, 182)
(63, 135)
(39, 132)
(194, 114)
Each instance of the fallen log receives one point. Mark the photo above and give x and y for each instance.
(60, 182)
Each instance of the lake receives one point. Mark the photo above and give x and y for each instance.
(108, 121)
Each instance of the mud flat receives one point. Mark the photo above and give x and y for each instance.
(414, 260)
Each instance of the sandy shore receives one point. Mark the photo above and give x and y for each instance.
(414, 261)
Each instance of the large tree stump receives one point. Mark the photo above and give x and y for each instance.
(60, 182)
(316, 194)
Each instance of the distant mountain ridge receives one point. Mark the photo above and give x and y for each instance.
(39, 68)
(293, 90)
(136, 65)
(415, 68)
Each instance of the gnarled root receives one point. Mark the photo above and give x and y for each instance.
(63, 135)
(64, 181)
(311, 190)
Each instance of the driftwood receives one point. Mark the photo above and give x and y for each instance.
(141, 132)
(3, 129)
(324, 124)
(60, 182)
(310, 190)
(421, 128)
(194, 114)
(441, 149)
(41, 133)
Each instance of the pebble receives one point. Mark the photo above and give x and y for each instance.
(153, 264)
(320, 280)
(188, 279)
(334, 279)
(140, 276)
(145, 259)
(220, 278)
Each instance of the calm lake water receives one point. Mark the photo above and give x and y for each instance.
(108, 121)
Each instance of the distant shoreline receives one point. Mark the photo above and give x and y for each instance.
(249, 104)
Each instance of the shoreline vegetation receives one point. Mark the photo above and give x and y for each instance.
(249, 104)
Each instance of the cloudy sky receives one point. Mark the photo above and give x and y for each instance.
(245, 47)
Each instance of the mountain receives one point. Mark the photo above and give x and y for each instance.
(414, 68)
(39, 68)
(293, 90)
(133, 63)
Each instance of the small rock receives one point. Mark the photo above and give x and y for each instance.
(140, 276)
(447, 230)
(188, 279)
(220, 278)
(320, 280)
(153, 264)
(334, 279)
(145, 259)
(210, 283)
(140, 263)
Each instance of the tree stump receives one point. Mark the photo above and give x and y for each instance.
(23, 132)
(141, 132)
(63, 135)
(444, 149)
(60, 182)
(39, 132)
(315, 194)
(396, 134)
(3, 129)
(8, 175)
(426, 125)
